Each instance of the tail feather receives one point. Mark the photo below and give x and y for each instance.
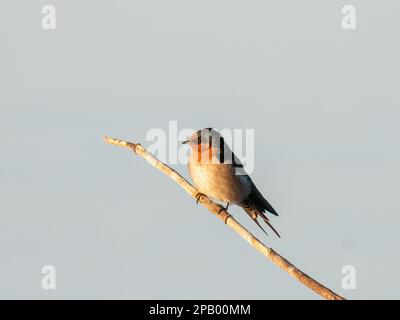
(259, 202)
(254, 217)
(271, 226)
(254, 213)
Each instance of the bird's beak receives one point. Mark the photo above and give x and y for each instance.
(185, 142)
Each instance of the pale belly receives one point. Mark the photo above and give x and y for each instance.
(218, 181)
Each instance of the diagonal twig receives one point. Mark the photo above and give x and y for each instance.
(222, 214)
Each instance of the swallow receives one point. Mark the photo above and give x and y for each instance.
(217, 173)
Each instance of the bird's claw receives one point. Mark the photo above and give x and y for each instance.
(221, 209)
(199, 196)
(227, 216)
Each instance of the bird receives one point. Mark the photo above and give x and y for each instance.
(217, 173)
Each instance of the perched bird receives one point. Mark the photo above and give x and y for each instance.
(217, 173)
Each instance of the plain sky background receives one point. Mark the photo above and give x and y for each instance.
(324, 104)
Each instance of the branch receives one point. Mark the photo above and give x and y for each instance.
(222, 214)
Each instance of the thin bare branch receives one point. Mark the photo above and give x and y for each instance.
(218, 210)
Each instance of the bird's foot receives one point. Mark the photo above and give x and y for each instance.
(199, 196)
(227, 215)
(222, 208)
(227, 206)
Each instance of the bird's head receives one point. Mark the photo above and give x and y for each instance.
(205, 139)
(209, 145)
